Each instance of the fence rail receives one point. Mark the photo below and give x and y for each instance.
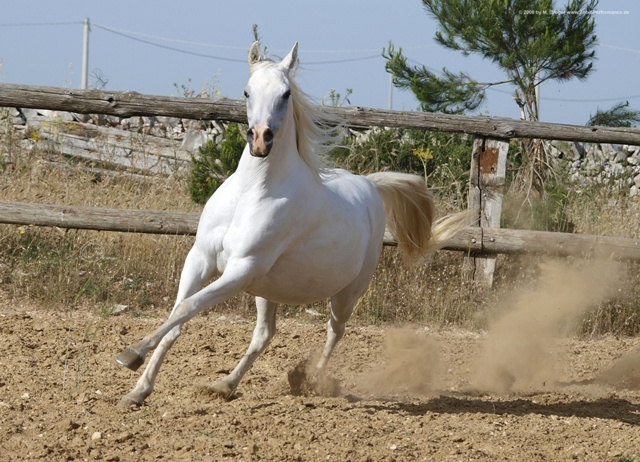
(129, 104)
(476, 240)
(482, 242)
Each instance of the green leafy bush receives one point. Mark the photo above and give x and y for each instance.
(214, 163)
(539, 212)
(442, 158)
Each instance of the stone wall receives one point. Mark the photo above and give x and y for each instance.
(617, 165)
(164, 145)
(147, 145)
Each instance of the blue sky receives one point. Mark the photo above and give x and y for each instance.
(148, 46)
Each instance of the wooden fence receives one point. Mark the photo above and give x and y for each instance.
(476, 240)
(486, 186)
(129, 104)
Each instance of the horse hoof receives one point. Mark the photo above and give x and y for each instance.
(127, 402)
(130, 359)
(223, 389)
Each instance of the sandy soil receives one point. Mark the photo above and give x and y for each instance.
(405, 394)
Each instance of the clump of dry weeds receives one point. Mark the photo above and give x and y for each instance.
(61, 268)
(56, 267)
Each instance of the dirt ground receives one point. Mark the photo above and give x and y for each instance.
(405, 394)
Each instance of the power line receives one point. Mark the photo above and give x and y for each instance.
(595, 100)
(204, 55)
(633, 50)
(340, 61)
(38, 24)
(573, 100)
(129, 33)
(556, 100)
(166, 47)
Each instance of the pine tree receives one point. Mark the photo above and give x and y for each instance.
(530, 40)
(620, 115)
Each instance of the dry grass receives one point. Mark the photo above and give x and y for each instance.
(603, 210)
(64, 269)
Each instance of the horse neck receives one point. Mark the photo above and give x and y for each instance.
(283, 164)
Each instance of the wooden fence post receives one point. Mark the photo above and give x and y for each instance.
(486, 187)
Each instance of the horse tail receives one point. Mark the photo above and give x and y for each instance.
(410, 211)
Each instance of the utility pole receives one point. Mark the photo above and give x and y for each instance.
(85, 55)
(536, 82)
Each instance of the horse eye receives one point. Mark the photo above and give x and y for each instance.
(287, 94)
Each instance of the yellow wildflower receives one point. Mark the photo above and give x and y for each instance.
(423, 153)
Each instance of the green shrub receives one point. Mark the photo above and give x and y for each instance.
(214, 163)
(442, 158)
(539, 212)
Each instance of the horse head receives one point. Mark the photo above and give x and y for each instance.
(268, 96)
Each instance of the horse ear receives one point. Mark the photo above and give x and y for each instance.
(291, 60)
(254, 53)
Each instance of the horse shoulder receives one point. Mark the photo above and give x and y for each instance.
(216, 218)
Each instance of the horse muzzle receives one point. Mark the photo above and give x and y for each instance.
(260, 139)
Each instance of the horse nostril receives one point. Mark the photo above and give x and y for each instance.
(268, 135)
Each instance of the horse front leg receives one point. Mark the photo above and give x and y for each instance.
(229, 284)
(262, 334)
(195, 272)
(144, 386)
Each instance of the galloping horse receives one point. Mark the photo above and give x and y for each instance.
(287, 230)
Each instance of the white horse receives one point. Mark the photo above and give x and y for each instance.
(286, 230)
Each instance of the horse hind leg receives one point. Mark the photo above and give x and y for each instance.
(342, 305)
(262, 334)
(304, 378)
(341, 310)
(343, 302)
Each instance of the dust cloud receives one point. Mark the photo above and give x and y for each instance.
(624, 373)
(304, 380)
(518, 352)
(412, 365)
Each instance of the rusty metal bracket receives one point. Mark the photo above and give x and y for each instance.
(488, 160)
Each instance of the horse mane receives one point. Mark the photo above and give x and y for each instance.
(316, 128)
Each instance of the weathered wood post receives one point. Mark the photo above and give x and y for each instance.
(486, 187)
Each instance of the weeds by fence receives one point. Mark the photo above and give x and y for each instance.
(67, 268)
